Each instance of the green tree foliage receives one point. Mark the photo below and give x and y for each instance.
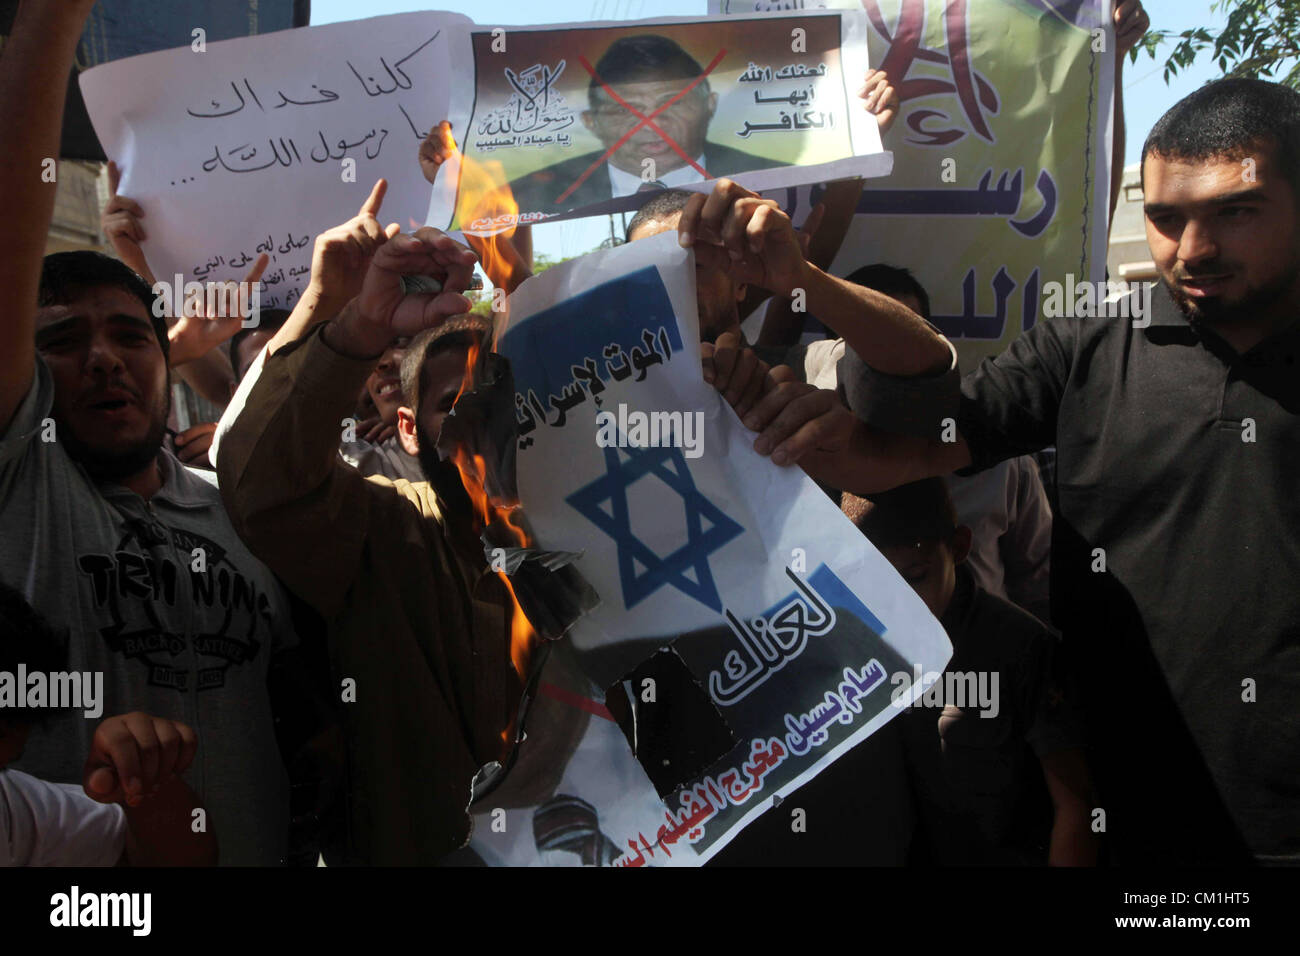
(1261, 40)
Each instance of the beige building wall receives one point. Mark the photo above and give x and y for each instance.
(81, 191)
(1128, 259)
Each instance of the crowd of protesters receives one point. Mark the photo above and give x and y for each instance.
(228, 582)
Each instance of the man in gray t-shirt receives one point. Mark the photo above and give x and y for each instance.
(131, 554)
(106, 534)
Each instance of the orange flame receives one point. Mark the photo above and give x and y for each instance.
(488, 214)
(473, 470)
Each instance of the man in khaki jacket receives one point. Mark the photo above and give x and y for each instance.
(419, 626)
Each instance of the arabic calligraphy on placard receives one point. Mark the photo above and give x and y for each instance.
(288, 150)
(975, 95)
(699, 804)
(768, 644)
(808, 730)
(985, 199)
(588, 381)
(291, 248)
(535, 114)
(735, 786)
(490, 225)
(252, 158)
(795, 119)
(974, 325)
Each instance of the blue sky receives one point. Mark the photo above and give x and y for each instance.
(1146, 96)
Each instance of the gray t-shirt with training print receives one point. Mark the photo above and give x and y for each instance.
(120, 576)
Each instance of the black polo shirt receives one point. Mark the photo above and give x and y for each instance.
(1187, 644)
(976, 775)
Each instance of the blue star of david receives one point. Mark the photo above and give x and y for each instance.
(623, 467)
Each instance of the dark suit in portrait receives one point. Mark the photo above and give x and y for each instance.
(539, 190)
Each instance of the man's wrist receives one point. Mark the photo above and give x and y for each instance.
(812, 282)
(346, 336)
(324, 301)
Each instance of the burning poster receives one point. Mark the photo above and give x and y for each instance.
(294, 127)
(579, 118)
(747, 634)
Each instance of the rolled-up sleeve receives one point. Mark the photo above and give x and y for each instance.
(912, 405)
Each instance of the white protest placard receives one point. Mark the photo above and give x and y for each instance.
(258, 144)
(788, 622)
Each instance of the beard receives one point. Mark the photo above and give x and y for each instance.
(114, 464)
(1255, 303)
(119, 462)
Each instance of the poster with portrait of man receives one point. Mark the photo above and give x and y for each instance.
(581, 119)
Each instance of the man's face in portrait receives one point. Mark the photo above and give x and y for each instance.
(686, 123)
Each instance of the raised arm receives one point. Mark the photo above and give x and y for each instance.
(295, 503)
(1131, 22)
(761, 248)
(120, 220)
(824, 230)
(880, 99)
(339, 262)
(34, 67)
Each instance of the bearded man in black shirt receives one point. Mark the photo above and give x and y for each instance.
(1175, 545)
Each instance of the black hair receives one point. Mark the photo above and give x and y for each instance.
(461, 332)
(66, 276)
(27, 638)
(268, 320)
(646, 56)
(1228, 118)
(892, 281)
(661, 205)
(919, 511)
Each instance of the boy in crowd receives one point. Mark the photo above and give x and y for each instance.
(1006, 506)
(981, 743)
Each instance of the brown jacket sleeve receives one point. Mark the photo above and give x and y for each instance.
(296, 504)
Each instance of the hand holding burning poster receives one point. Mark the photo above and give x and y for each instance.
(746, 631)
(579, 119)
